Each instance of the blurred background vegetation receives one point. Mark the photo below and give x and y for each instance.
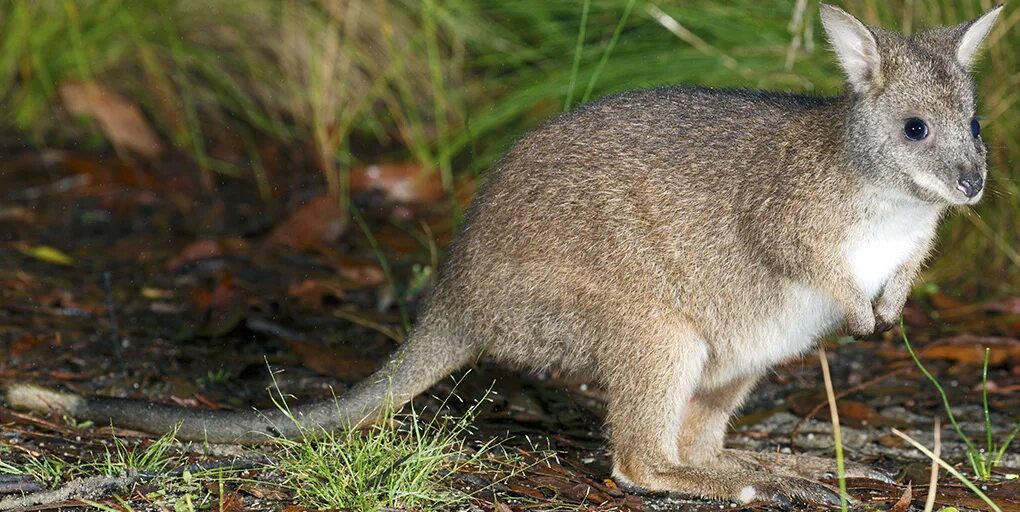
(445, 84)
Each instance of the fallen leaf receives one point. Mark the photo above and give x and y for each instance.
(944, 302)
(903, 504)
(856, 412)
(17, 213)
(264, 491)
(339, 361)
(401, 182)
(45, 253)
(1008, 306)
(228, 503)
(958, 496)
(361, 274)
(121, 120)
(313, 293)
(23, 345)
(156, 293)
(524, 490)
(98, 176)
(195, 251)
(970, 349)
(313, 224)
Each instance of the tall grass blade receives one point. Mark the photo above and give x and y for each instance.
(942, 393)
(837, 436)
(578, 48)
(964, 480)
(609, 51)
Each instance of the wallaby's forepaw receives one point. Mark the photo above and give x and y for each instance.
(787, 492)
(886, 316)
(861, 322)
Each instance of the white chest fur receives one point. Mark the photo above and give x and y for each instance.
(889, 235)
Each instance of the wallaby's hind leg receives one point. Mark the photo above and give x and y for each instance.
(708, 416)
(650, 395)
(649, 391)
(711, 411)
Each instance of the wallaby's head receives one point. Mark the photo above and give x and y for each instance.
(914, 125)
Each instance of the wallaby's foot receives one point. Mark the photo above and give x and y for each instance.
(784, 491)
(804, 466)
(789, 491)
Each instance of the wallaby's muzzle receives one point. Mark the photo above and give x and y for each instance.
(970, 184)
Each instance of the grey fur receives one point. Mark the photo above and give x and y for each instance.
(675, 243)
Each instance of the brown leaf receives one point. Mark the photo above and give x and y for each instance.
(316, 223)
(361, 274)
(98, 176)
(945, 302)
(200, 250)
(1008, 306)
(903, 504)
(970, 349)
(229, 503)
(312, 293)
(856, 412)
(264, 491)
(402, 182)
(121, 120)
(339, 361)
(524, 490)
(23, 345)
(959, 496)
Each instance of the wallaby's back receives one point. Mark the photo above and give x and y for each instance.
(645, 201)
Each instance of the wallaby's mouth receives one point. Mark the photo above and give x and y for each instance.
(962, 193)
(971, 185)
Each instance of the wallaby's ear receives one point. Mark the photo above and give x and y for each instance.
(973, 33)
(855, 46)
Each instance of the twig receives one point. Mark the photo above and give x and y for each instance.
(234, 464)
(933, 483)
(393, 334)
(78, 488)
(836, 434)
(102, 486)
(843, 394)
(19, 483)
(111, 310)
(952, 471)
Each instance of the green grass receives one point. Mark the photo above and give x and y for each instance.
(48, 470)
(159, 459)
(403, 461)
(451, 83)
(982, 460)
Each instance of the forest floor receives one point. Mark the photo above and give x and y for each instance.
(114, 282)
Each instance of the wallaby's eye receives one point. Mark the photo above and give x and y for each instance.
(975, 127)
(915, 129)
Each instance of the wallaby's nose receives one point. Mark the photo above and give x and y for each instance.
(970, 184)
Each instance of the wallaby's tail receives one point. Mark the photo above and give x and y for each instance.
(423, 360)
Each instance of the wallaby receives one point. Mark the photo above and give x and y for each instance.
(674, 244)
